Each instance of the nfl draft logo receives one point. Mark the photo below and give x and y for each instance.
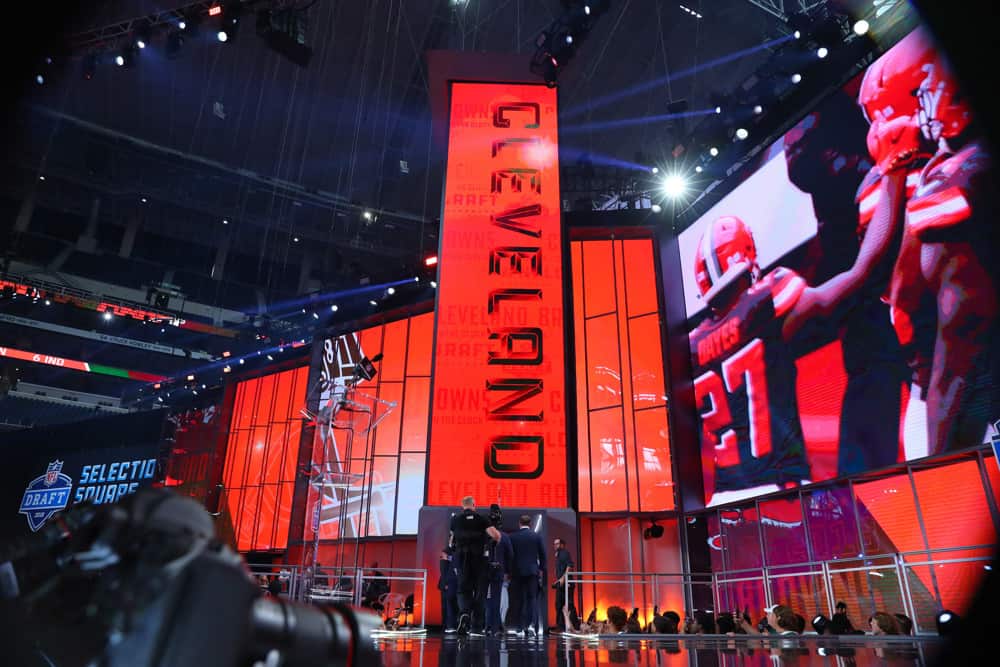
(46, 495)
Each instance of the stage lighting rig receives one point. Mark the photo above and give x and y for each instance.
(285, 32)
(555, 47)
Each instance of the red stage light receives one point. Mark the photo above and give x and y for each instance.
(214, 10)
(431, 261)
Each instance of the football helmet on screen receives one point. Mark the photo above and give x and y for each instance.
(726, 249)
(888, 98)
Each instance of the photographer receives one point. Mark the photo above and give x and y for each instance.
(470, 533)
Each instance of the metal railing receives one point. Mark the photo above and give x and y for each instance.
(888, 581)
(349, 584)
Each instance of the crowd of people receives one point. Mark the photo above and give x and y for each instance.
(778, 619)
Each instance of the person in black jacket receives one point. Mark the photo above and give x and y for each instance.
(529, 564)
(448, 585)
(470, 534)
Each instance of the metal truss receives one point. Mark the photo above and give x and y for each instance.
(96, 37)
(780, 9)
(116, 31)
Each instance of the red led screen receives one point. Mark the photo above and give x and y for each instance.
(261, 456)
(624, 442)
(841, 312)
(498, 429)
(383, 437)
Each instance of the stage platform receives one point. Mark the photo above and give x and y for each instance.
(554, 650)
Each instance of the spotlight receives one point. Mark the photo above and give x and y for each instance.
(586, 10)
(698, 169)
(656, 208)
(372, 302)
(315, 316)
(241, 362)
(367, 215)
(674, 186)
(126, 57)
(190, 378)
(295, 239)
(569, 39)
(947, 622)
(431, 261)
(143, 200)
(39, 79)
(215, 10)
(718, 109)
(391, 291)
(107, 315)
(222, 36)
(227, 369)
(861, 27)
(822, 52)
(334, 308)
(654, 532)
(758, 110)
(820, 623)
(270, 358)
(713, 151)
(225, 221)
(434, 284)
(41, 178)
(796, 78)
(741, 133)
(182, 25)
(140, 43)
(797, 34)
(48, 303)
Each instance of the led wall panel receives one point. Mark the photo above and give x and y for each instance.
(498, 429)
(261, 455)
(382, 438)
(623, 451)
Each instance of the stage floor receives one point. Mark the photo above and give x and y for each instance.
(655, 651)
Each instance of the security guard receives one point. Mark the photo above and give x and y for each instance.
(470, 534)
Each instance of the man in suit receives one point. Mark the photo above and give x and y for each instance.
(529, 564)
(501, 554)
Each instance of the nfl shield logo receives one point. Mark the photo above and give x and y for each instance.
(46, 495)
(52, 472)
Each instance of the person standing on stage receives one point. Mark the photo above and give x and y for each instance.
(501, 555)
(470, 533)
(529, 565)
(448, 585)
(564, 565)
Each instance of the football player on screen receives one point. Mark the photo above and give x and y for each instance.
(925, 212)
(744, 384)
(827, 158)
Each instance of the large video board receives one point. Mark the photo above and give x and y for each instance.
(840, 302)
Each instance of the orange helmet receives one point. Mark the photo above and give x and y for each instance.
(890, 83)
(725, 249)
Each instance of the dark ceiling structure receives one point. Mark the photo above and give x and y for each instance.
(247, 179)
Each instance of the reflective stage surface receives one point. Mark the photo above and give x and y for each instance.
(645, 650)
